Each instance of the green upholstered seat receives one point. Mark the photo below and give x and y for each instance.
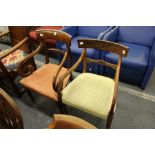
(90, 93)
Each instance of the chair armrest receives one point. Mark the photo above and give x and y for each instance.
(61, 79)
(24, 68)
(4, 33)
(111, 35)
(102, 34)
(59, 69)
(13, 48)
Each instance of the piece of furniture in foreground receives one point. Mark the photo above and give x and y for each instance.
(44, 79)
(138, 66)
(10, 59)
(10, 116)
(87, 32)
(69, 122)
(89, 92)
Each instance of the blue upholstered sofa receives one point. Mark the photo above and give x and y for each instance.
(93, 32)
(138, 66)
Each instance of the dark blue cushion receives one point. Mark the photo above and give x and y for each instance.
(91, 31)
(143, 35)
(91, 53)
(136, 60)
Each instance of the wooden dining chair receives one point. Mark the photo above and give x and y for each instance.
(44, 79)
(9, 61)
(10, 116)
(69, 122)
(91, 93)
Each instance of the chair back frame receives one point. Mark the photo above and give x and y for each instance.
(57, 35)
(54, 34)
(103, 46)
(115, 48)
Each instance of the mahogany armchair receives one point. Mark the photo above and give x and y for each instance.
(91, 93)
(69, 122)
(44, 79)
(10, 116)
(9, 61)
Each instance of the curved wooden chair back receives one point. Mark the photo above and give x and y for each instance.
(54, 34)
(69, 122)
(59, 36)
(104, 46)
(120, 50)
(10, 117)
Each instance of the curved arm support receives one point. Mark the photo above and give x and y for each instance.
(60, 82)
(9, 51)
(4, 33)
(24, 68)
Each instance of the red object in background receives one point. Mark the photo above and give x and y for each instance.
(49, 42)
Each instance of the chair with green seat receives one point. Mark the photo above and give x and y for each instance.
(91, 93)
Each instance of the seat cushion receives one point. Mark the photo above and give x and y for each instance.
(90, 93)
(137, 58)
(12, 60)
(91, 53)
(41, 80)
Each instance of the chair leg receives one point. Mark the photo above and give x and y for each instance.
(30, 95)
(60, 107)
(16, 89)
(71, 77)
(109, 120)
(65, 109)
(70, 65)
